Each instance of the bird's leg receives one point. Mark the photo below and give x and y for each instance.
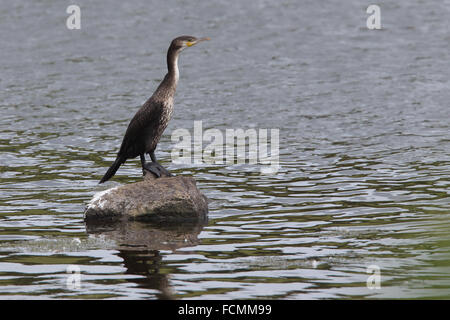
(151, 167)
(152, 156)
(160, 167)
(142, 160)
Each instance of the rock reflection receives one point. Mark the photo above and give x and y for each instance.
(140, 243)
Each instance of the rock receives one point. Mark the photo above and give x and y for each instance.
(155, 199)
(142, 235)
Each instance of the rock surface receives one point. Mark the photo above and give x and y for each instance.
(162, 199)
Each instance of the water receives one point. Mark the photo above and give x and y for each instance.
(364, 149)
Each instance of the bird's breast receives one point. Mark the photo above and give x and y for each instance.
(154, 135)
(167, 111)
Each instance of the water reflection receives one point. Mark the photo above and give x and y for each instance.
(140, 244)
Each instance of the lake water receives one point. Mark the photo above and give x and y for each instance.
(364, 129)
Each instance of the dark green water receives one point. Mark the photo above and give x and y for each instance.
(364, 121)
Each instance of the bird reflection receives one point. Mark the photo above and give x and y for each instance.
(139, 245)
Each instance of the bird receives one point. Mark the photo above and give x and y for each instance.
(148, 124)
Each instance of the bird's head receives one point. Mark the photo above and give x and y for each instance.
(183, 42)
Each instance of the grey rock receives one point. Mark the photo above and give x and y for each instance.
(162, 199)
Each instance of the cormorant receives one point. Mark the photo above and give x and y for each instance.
(150, 121)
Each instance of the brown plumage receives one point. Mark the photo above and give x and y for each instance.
(150, 121)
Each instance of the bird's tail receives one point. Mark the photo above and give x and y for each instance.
(113, 169)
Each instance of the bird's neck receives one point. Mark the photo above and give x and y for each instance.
(172, 64)
(166, 89)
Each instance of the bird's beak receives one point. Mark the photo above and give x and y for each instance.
(190, 44)
(203, 39)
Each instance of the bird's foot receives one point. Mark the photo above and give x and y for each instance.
(157, 170)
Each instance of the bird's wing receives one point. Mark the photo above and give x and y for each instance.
(146, 118)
